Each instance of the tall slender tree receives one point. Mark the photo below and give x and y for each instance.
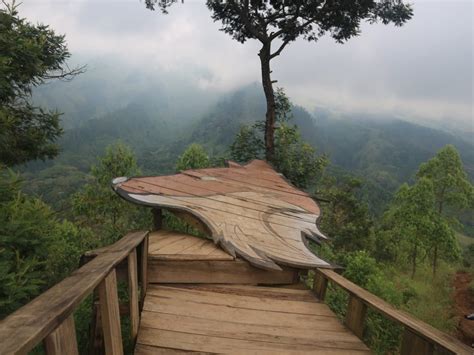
(277, 23)
(452, 188)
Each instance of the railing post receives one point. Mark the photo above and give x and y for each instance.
(413, 344)
(143, 270)
(62, 340)
(320, 284)
(157, 218)
(133, 293)
(110, 314)
(355, 317)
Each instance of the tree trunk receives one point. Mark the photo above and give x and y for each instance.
(413, 262)
(264, 55)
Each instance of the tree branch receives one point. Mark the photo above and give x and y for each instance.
(279, 50)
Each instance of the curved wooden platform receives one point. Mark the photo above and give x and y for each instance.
(251, 211)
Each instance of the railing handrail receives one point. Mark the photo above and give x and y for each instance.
(418, 328)
(25, 328)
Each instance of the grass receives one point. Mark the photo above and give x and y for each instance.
(464, 240)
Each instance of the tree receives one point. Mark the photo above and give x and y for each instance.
(30, 55)
(276, 23)
(194, 157)
(411, 217)
(451, 189)
(97, 206)
(294, 158)
(345, 219)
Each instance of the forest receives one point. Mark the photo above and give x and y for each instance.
(397, 197)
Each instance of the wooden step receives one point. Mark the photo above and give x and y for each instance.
(239, 319)
(176, 257)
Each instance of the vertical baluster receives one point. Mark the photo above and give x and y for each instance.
(110, 315)
(413, 344)
(355, 317)
(320, 285)
(62, 340)
(133, 293)
(143, 269)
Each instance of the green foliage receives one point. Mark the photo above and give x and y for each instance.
(97, 206)
(194, 157)
(345, 219)
(36, 249)
(294, 158)
(247, 145)
(451, 185)
(30, 54)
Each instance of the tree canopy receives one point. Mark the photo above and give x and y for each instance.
(29, 55)
(282, 22)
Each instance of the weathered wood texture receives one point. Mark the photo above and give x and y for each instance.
(29, 325)
(110, 315)
(62, 340)
(240, 319)
(419, 338)
(181, 258)
(251, 211)
(133, 293)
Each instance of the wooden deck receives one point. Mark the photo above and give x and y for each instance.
(240, 319)
(215, 306)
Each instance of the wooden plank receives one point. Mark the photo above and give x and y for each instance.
(237, 272)
(196, 342)
(440, 339)
(63, 339)
(240, 315)
(141, 349)
(202, 250)
(110, 316)
(274, 334)
(251, 211)
(355, 317)
(240, 301)
(133, 294)
(254, 291)
(26, 327)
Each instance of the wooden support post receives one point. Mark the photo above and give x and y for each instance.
(62, 340)
(355, 317)
(109, 311)
(133, 293)
(320, 284)
(143, 270)
(413, 344)
(157, 218)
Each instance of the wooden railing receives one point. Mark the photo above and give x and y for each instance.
(49, 317)
(419, 338)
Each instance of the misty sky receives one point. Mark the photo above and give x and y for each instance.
(423, 70)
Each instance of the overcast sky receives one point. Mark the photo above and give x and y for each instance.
(423, 70)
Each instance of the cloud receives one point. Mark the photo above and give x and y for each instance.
(421, 70)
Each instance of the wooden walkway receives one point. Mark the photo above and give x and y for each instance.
(230, 314)
(240, 319)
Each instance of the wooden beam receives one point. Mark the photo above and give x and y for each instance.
(218, 271)
(320, 284)
(355, 317)
(143, 270)
(62, 340)
(442, 342)
(133, 293)
(25, 328)
(412, 344)
(110, 315)
(157, 218)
